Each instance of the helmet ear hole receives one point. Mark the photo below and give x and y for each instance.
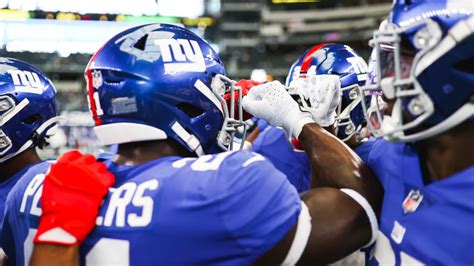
(466, 66)
(30, 120)
(141, 43)
(406, 46)
(190, 110)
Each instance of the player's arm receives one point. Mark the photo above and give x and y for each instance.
(64, 224)
(337, 219)
(337, 165)
(334, 226)
(3, 258)
(54, 255)
(334, 164)
(253, 135)
(341, 209)
(344, 201)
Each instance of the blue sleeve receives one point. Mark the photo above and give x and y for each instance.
(5, 187)
(274, 145)
(363, 150)
(384, 158)
(7, 241)
(16, 225)
(261, 206)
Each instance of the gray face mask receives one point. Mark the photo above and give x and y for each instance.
(232, 109)
(393, 74)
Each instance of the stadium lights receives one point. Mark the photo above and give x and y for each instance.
(293, 1)
(186, 8)
(7, 14)
(64, 37)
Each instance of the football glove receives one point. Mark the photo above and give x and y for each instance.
(319, 95)
(72, 194)
(271, 102)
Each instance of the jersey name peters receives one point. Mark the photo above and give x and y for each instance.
(127, 205)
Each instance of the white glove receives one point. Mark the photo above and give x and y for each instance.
(320, 95)
(271, 102)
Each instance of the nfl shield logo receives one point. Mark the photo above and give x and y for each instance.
(96, 79)
(412, 201)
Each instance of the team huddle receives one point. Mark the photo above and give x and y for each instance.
(346, 158)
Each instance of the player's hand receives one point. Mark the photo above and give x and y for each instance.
(271, 102)
(72, 194)
(320, 95)
(245, 85)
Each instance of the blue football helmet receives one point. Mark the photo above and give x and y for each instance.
(424, 65)
(341, 60)
(27, 108)
(157, 81)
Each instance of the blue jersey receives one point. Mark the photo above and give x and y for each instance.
(8, 184)
(364, 148)
(224, 209)
(421, 224)
(6, 237)
(273, 144)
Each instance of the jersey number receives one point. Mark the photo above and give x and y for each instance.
(203, 163)
(385, 255)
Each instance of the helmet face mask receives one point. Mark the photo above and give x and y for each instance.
(5, 143)
(222, 85)
(343, 121)
(7, 107)
(403, 57)
(395, 78)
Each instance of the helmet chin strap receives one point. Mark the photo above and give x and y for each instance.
(191, 141)
(47, 124)
(30, 142)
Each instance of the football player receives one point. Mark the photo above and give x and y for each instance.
(348, 117)
(28, 118)
(157, 91)
(425, 69)
(347, 121)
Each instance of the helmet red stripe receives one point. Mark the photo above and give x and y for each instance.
(90, 90)
(90, 94)
(309, 57)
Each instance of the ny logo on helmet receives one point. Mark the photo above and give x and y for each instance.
(26, 81)
(178, 55)
(181, 55)
(359, 66)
